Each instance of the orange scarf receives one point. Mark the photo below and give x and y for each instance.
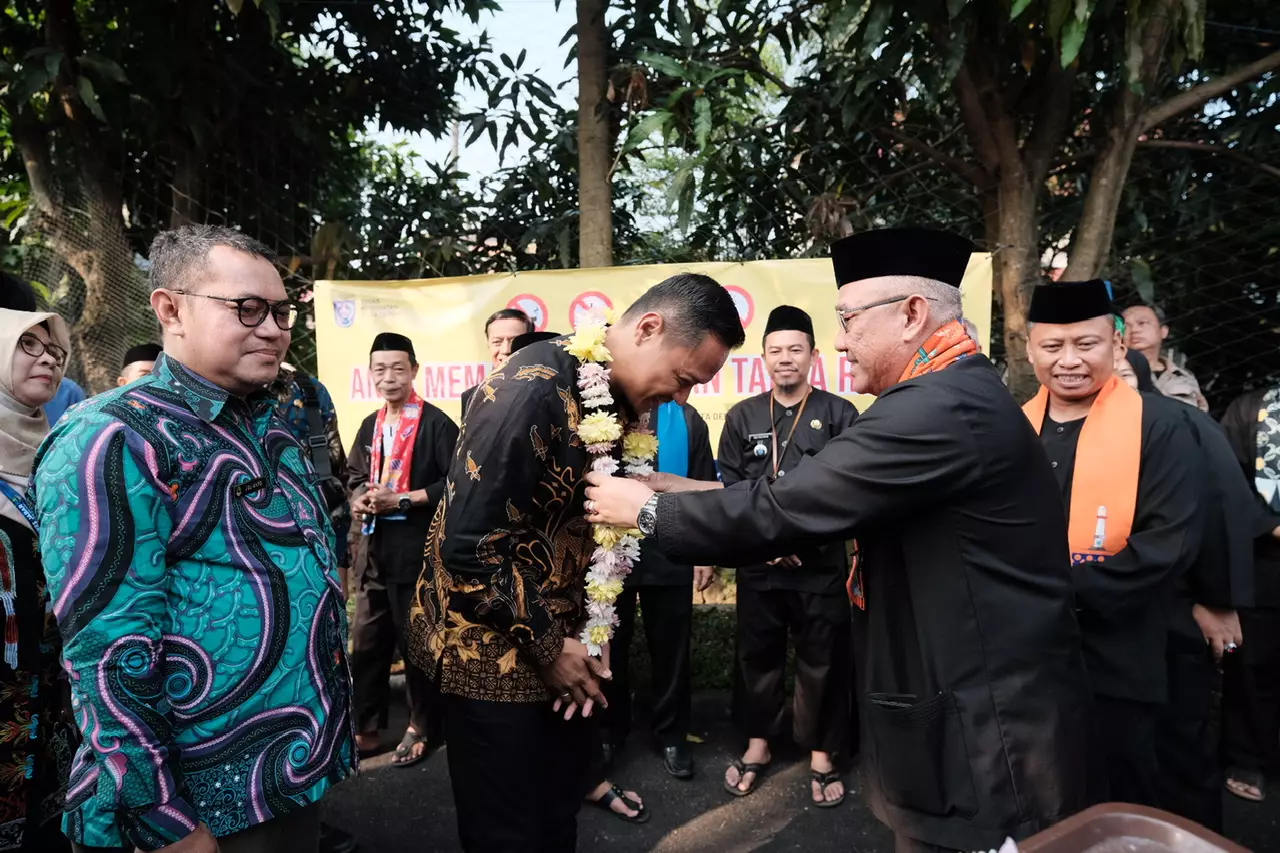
(943, 348)
(1104, 484)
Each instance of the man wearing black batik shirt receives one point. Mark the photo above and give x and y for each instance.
(500, 605)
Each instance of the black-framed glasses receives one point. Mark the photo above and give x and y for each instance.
(35, 348)
(844, 315)
(253, 310)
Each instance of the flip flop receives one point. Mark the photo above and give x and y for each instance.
(615, 793)
(824, 780)
(743, 770)
(1250, 778)
(403, 756)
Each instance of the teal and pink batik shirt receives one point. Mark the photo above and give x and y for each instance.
(191, 568)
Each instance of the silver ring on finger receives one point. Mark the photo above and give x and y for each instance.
(590, 507)
(1231, 647)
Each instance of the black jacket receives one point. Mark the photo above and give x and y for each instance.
(976, 708)
(1240, 422)
(395, 548)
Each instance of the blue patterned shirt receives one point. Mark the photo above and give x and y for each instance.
(192, 573)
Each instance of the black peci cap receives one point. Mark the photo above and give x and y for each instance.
(1064, 302)
(392, 342)
(142, 352)
(788, 318)
(921, 252)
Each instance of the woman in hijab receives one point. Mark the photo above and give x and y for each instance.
(1136, 371)
(36, 735)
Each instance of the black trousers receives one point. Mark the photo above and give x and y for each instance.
(819, 627)
(382, 614)
(492, 745)
(1128, 732)
(1251, 695)
(1190, 782)
(668, 628)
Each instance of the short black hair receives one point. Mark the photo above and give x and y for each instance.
(693, 307)
(15, 293)
(508, 314)
(1161, 318)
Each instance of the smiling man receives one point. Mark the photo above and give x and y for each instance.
(974, 702)
(192, 572)
(501, 602)
(1128, 471)
(801, 595)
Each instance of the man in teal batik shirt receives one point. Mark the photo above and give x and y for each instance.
(192, 571)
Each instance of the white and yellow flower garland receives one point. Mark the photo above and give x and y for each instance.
(617, 548)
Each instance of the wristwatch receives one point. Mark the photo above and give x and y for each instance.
(647, 521)
(406, 503)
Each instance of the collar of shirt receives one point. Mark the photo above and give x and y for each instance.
(204, 398)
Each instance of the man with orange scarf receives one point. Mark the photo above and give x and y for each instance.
(396, 473)
(1130, 476)
(974, 701)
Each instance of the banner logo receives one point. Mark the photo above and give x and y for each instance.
(532, 306)
(344, 313)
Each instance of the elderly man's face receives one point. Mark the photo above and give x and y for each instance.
(877, 317)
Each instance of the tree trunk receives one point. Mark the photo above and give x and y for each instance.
(1016, 269)
(185, 207)
(595, 201)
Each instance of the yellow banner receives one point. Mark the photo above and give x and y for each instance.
(444, 317)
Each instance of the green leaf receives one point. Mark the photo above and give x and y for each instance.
(85, 87)
(955, 7)
(844, 25)
(702, 121)
(1019, 6)
(1059, 10)
(664, 65)
(1072, 39)
(1084, 8)
(1142, 279)
(877, 26)
(235, 6)
(30, 81)
(1193, 12)
(103, 67)
(53, 62)
(646, 127)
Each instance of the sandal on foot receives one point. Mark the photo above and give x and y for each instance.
(743, 769)
(825, 780)
(404, 756)
(1238, 779)
(615, 793)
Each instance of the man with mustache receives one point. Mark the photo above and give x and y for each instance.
(973, 696)
(800, 595)
(1130, 477)
(396, 475)
(192, 572)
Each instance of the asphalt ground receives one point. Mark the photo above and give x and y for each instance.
(389, 808)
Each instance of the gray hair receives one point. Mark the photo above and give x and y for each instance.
(945, 298)
(178, 257)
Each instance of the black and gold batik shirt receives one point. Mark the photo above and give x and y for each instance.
(502, 584)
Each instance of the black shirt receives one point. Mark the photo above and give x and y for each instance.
(396, 546)
(1124, 602)
(746, 453)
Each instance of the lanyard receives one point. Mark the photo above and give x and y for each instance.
(21, 502)
(773, 429)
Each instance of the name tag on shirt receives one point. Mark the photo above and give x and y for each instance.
(248, 487)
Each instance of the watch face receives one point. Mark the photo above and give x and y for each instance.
(405, 503)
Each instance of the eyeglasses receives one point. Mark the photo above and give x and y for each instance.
(253, 310)
(844, 315)
(35, 348)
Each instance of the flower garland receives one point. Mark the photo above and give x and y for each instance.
(617, 548)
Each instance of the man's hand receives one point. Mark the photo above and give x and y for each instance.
(1221, 628)
(1276, 533)
(615, 500)
(575, 678)
(382, 500)
(703, 576)
(200, 841)
(791, 562)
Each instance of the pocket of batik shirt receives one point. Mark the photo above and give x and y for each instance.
(921, 755)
